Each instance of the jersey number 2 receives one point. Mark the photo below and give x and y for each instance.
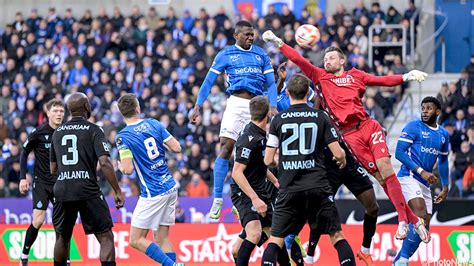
(151, 148)
(298, 132)
(70, 150)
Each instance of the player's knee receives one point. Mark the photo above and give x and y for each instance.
(254, 231)
(38, 219)
(336, 237)
(384, 166)
(136, 242)
(227, 146)
(372, 209)
(38, 222)
(254, 235)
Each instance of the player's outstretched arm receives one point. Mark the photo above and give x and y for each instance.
(394, 80)
(338, 153)
(109, 173)
(217, 67)
(241, 180)
(173, 145)
(312, 72)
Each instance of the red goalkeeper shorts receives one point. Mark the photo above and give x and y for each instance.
(367, 143)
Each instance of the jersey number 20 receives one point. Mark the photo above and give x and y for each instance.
(298, 132)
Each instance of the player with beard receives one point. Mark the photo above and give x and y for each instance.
(39, 141)
(354, 177)
(340, 94)
(76, 147)
(422, 144)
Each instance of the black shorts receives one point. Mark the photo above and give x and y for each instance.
(294, 209)
(271, 190)
(42, 195)
(353, 176)
(245, 208)
(95, 216)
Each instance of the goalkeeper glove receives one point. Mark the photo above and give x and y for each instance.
(415, 75)
(269, 36)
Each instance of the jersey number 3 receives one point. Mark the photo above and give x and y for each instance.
(72, 149)
(299, 132)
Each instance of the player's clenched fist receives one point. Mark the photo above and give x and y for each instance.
(195, 114)
(24, 186)
(119, 200)
(259, 206)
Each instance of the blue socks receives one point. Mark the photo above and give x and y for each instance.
(221, 168)
(289, 241)
(410, 244)
(171, 255)
(154, 252)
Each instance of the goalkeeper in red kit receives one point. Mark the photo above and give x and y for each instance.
(340, 94)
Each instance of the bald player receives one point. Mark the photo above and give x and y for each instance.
(76, 147)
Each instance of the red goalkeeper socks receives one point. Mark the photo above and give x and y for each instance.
(394, 192)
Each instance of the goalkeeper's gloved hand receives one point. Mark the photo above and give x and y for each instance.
(415, 75)
(269, 36)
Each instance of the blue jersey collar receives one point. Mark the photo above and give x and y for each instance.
(242, 49)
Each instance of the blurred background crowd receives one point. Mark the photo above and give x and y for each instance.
(163, 58)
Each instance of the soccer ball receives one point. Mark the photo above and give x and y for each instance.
(307, 35)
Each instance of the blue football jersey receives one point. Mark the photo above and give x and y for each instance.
(245, 69)
(427, 144)
(283, 100)
(145, 140)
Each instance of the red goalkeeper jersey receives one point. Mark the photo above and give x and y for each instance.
(341, 95)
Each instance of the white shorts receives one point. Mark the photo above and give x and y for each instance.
(150, 213)
(411, 189)
(236, 117)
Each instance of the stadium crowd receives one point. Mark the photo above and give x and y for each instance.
(163, 58)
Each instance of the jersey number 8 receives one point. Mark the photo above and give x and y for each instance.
(151, 148)
(299, 132)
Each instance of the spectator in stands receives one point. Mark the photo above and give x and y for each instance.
(271, 15)
(411, 11)
(287, 17)
(463, 159)
(376, 12)
(359, 10)
(470, 116)
(4, 191)
(374, 111)
(197, 187)
(360, 40)
(393, 16)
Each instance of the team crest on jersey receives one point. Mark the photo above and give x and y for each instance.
(371, 164)
(46, 137)
(258, 57)
(234, 57)
(443, 140)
